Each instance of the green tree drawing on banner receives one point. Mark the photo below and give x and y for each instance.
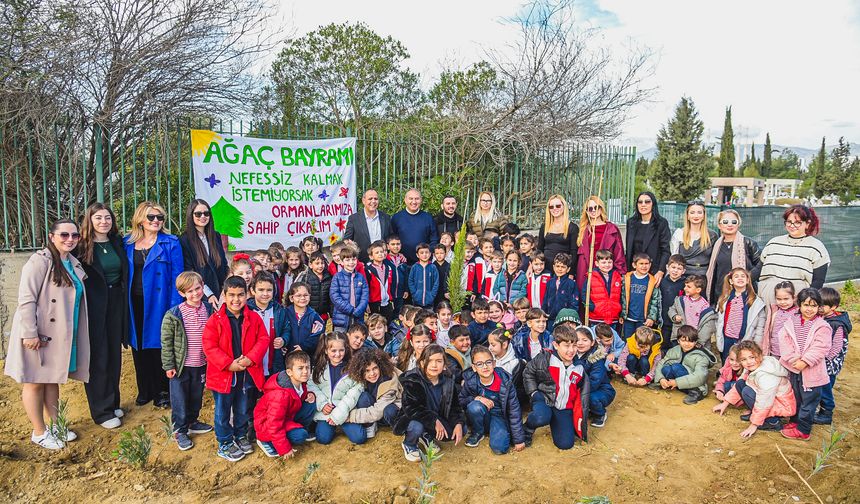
(228, 219)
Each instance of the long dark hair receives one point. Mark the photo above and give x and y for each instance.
(59, 274)
(320, 357)
(655, 209)
(208, 233)
(84, 251)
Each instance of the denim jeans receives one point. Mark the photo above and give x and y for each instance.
(638, 365)
(354, 432)
(807, 403)
(674, 371)
(728, 343)
(828, 402)
(481, 421)
(236, 401)
(599, 399)
(630, 327)
(728, 386)
(415, 431)
(560, 422)
(389, 413)
(186, 397)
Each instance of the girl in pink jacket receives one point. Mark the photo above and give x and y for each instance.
(803, 343)
(763, 387)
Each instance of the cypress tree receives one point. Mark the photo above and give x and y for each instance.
(682, 163)
(727, 147)
(766, 168)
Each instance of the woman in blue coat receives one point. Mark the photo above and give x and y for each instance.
(154, 261)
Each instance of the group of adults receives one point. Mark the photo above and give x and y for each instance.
(91, 291)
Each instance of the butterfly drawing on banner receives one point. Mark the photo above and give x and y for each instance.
(212, 181)
(340, 224)
(323, 195)
(344, 192)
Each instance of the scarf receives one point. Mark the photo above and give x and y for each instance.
(566, 379)
(739, 256)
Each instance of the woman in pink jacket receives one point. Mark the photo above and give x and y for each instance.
(595, 220)
(803, 343)
(763, 387)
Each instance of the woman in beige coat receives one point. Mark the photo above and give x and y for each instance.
(50, 342)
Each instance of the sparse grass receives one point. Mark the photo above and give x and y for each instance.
(134, 447)
(60, 426)
(427, 488)
(309, 472)
(594, 499)
(828, 448)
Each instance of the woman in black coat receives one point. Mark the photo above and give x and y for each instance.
(648, 233)
(102, 256)
(558, 233)
(202, 250)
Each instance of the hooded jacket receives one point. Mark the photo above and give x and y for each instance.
(725, 375)
(520, 342)
(773, 394)
(320, 290)
(812, 353)
(651, 303)
(604, 304)
(344, 396)
(375, 281)
(507, 396)
(279, 327)
(275, 412)
(423, 283)
(174, 340)
(218, 348)
(594, 363)
(697, 362)
(834, 363)
(388, 392)
(538, 379)
(344, 313)
(510, 292)
(565, 295)
(707, 326)
(756, 318)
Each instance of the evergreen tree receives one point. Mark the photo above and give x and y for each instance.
(766, 168)
(750, 166)
(727, 148)
(682, 164)
(816, 171)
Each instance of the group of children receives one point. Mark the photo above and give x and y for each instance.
(280, 379)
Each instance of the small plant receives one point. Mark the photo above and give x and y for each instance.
(309, 471)
(594, 499)
(828, 448)
(134, 447)
(167, 431)
(60, 426)
(456, 292)
(426, 487)
(849, 289)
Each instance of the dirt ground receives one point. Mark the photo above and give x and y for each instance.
(653, 449)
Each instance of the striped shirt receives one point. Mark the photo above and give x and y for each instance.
(734, 318)
(194, 320)
(801, 330)
(693, 310)
(793, 259)
(839, 341)
(779, 319)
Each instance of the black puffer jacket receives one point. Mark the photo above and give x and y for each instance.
(416, 403)
(320, 299)
(536, 379)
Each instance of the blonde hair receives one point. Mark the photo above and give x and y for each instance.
(705, 238)
(136, 232)
(584, 221)
(728, 288)
(186, 280)
(565, 214)
(493, 213)
(731, 211)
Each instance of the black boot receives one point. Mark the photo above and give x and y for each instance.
(693, 396)
(823, 417)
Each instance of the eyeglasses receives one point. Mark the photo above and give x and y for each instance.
(155, 217)
(554, 207)
(793, 223)
(201, 214)
(733, 222)
(488, 363)
(592, 208)
(66, 235)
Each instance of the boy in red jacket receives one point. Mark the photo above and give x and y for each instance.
(604, 305)
(234, 342)
(283, 415)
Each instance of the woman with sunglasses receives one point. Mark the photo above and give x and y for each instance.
(725, 256)
(648, 233)
(154, 261)
(557, 233)
(49, 342)
(103, 258)
(606, 236)
(203, 250)
(694, 242)
(797, 256)
(486, 217)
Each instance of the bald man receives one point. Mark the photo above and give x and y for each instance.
(414, 226)
(368, 225)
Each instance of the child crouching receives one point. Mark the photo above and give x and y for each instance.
(640, 357)
(592, 357)
(381, 399)
(686, 365)
(285, 412)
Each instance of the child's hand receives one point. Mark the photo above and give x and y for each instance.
(290, 454)
(720, 408)
(677, 318)
(328, 408)
(296, 348)
(245, 362)
(519, 447)
(615, 367)
(486, 402)
(641, 382)
(630, 379)
(331, 422)
(441, 433)
(799, 365)
(611, 357)
(673, 383)
(749, 431)
(311, 398)
(171, 373)
(720, 395)
(664, 383)
(458, 434)
(649, 323)
(278, 343)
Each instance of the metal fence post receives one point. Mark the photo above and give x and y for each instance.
(99, 164)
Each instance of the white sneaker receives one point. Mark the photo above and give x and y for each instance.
(112, 423)
(47, 440)
(70, 434)
(119, 413)
(370, 430)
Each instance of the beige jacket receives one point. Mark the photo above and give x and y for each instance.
(45, 309)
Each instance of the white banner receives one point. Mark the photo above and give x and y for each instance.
(262, 191)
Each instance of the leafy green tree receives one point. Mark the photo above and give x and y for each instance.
(461, 92)
(727, 147)
(787, 166)
(750, 166)
(643, 170)
(346, 75)
(767, 161)
(682, 163)
(839, 175)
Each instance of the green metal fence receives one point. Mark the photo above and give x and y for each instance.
(53, 173)
(838, 232)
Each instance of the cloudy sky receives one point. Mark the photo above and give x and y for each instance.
(790, 67)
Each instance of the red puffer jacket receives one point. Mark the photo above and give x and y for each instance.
(374, 281)
(218, 347)
(275, 412)
(605, 301)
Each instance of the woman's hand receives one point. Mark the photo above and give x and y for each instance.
(278, 343)
(213, 300)
(31, 343)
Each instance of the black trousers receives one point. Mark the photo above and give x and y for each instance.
(106, 359)
(386, 311)
(151, 379)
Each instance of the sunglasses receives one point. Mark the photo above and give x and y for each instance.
(202, 214)
(697, 202)
(592, 209)
(644, 202)
(155, 217)
(486, 201)
(66, 235)
(733, 222)
(553, 207)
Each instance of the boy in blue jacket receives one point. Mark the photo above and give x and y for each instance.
(400, 278)
(481, 327)
(274, 320)
(561, 291)
(612, 343)
(489, 398)
(591, 356)
(423, 278)
(349, 293)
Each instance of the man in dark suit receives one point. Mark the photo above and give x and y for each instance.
(366, 226)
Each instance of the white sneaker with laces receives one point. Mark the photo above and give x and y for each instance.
(47, 440)
(370, 430)
(70, 434)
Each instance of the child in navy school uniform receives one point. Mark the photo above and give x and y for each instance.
(380, 280)
(671, 287)
(400, 288)
(349, 292)
(561, 291)
(840, 324)
(481, 327)
(423, 278)
(640, 297)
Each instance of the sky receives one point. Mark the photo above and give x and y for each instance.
(789, 67)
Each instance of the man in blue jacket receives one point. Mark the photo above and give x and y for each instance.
(414, 226)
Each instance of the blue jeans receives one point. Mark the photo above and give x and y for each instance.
(630, 327)
(674, 371)
(638, 365)
(828, 402)
(415, 431)
(728, 386)
(304, 416)
(727, 346)
(748, 396)
(354, 432)
(807, 403)
(389, 413)
(560, 422)
(236, 401)
(481, 421)
(186, 397)
(599, 399)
